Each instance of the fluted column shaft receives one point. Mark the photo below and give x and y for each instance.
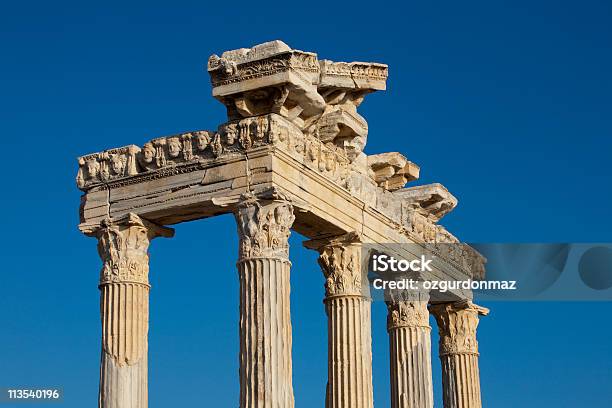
(265, 319)
(457, 323)
(347, 304)
(124, 310)
(410, 349)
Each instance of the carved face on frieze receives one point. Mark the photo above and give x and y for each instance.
(202, 140)
(148, 153)
(93, 168)
(117, 163)
(230, 134)
(174, 147)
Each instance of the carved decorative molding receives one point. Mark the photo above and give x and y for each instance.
(457, 323)
(110, 164)
(264, 228)
(155, 156)
(225, 71)
(354, 74)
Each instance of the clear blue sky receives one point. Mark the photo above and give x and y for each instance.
(507, 103)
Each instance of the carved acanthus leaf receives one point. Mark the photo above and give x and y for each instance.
(407, 308)
(123, 247)
(341, 261)
(264, 228)
(457, 323)
(407, 314)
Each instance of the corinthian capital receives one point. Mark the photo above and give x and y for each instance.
(264, 228)
(457, 323)
(123, 247)
(407, 308)
(340, 259)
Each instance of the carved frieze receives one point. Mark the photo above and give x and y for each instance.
(110, 164)
(176, 153)
(160, 153)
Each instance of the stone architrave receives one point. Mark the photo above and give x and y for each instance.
(457, 323)
(265, 318)
(124, 309)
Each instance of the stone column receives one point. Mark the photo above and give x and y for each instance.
(124, 310)
(265, 318)
(457, 323)
(410, 349)
(347, 303)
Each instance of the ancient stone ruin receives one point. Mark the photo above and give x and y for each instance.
(289, 157)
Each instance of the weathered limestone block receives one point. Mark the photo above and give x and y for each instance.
(320, 97)
(457, 323)
(344, 86)
(340, 124)
(265, 318)
(392, 170)
(410, 349)
(347, 303)
(268, 78)
(363, 76)
(124, 309)
(431, 200)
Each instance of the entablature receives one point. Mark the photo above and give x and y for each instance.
(334, 186)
